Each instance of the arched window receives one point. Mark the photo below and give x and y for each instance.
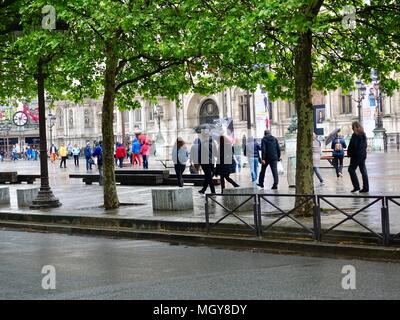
(88, 118)
(60, 117)
(208, 111)
(71, 118)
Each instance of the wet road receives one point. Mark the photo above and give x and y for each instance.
(99, 268)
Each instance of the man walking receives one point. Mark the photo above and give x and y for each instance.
(88, 157)
(207, 155)
(98, 152)
(271, 154)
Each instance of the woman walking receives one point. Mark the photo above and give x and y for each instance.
(226, 164)
(338, 146)
(316, 153)
(145, 151)
(180, 156)
(76, 152)
(357, 152)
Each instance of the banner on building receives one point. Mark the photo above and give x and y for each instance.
(261, 102)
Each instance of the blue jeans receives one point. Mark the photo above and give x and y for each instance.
(253, 162)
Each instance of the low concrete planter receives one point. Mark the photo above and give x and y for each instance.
(26, 196)
(232, 202)
(172, 199)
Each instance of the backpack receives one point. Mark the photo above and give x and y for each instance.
(338, 146)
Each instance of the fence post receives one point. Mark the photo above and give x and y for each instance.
(259, 222)
(398, 141)
(255, 212)
(317, 218)
(207, 216)
(385, 221)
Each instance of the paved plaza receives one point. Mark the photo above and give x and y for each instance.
(86, 200)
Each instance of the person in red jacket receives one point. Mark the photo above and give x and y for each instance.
(145, 151)
(120, 154)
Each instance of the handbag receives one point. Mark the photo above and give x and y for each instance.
(281, 171)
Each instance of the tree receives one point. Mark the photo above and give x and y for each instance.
(129, 48)
(295, 46)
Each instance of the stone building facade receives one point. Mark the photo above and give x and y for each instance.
(81, 123)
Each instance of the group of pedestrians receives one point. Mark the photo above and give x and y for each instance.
(27, 152)
(138, 153)
(356, 151)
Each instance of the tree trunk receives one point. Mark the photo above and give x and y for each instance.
(110, 190)
(304, 107)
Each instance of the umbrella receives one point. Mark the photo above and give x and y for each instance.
(331, 136)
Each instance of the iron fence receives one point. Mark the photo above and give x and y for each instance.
(314, 201)
(231, 212)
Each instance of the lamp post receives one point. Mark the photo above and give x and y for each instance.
(52, 121)
(379, 132)
(45, 197)
(361, 89)
(159, 115)
(248, 114)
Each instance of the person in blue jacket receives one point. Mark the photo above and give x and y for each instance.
(252, 152)
(338, 147)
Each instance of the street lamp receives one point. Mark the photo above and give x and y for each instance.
(159, 115)
(52, 121)
(361, 89)
(378, 98)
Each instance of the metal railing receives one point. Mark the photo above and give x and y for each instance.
(231, 212)
(314, 202)
(305, 199)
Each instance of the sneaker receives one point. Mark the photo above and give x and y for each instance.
(340, 175)
(355, 190)
(364, 190)
(321, 183)
(201, 192)
(260, 186)
(274, 187)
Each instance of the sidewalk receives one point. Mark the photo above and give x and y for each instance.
(79, 199)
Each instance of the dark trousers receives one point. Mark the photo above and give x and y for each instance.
(274, 168)
(338, 164)
(145, 162)
(63, 160)
(88, 164)
(76, 160)
(208, 181)
(179, 169)
(225, 176)
(121, 162)
(354, 163)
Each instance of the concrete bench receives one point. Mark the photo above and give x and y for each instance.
(172, 199)
(26, 196)
(232, 202)
(4, 195)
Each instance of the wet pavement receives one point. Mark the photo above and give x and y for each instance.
(86, 200)
(102, 268)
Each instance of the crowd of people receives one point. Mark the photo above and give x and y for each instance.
(224, 158)
(26, 152)
(215, 157)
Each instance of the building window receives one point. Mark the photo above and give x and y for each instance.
(150, 115)
(138, 115)
(71, 118)
(125, 116)
(346, 106)
(88, 118)
(242, 108)
(271, 116)
(60, 117)
(291, 109)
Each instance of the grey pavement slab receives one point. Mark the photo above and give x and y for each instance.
(86, 200)
(101, 268)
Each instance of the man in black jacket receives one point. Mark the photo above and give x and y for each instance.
(271, 154)
(357, 152)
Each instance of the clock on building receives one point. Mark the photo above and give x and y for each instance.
(20, 118)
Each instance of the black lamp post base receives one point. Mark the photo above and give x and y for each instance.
(45, 199)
